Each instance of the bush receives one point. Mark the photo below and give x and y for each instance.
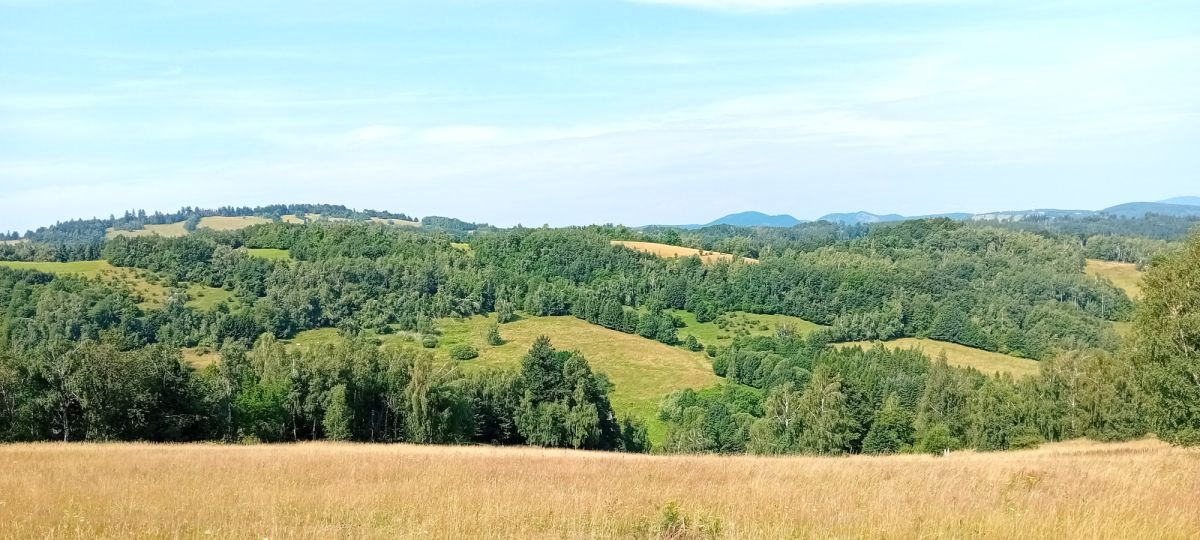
(463, 352)
(429, 342)
(493, 336)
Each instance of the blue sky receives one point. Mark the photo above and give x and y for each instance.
(592, 111)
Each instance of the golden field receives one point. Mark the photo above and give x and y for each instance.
(1125, 276)
(667, 251)
(1080, 489)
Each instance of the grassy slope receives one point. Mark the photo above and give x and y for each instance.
(668, 251)
(962, 356)
(322, 490)
(710, 333)
(643, 371)
(154, 294)
(1124, 275)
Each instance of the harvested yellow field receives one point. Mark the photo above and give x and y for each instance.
(397, 222)
(222, 223)
(961, 355)
(667, 251)
(169, 230)
(1142, 489)
(1125, 276)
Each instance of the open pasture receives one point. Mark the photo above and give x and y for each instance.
(1077, 489)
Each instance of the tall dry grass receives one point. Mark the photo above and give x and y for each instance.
(1081, 490)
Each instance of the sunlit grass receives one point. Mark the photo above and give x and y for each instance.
(322, 490)
(1125, 276)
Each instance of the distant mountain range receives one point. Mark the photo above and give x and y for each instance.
(1178, 206)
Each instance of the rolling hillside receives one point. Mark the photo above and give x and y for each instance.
(140, 282)
(644, 371)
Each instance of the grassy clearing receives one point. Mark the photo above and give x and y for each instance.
(461, 246)
(667, 251)
(644, 371)
(1125, 276)
(200, 358)
(272, 254)
(721, 332)
(206, 298)
(169, 230)
(1142, 489)
(962, 356)
(223, 223)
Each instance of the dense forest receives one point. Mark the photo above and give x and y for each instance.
(85, 360)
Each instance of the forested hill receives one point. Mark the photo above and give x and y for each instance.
(81, 238)
(77, 354)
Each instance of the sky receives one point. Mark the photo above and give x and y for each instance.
(596, 111)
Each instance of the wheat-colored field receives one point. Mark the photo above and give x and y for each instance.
(667, 251)
(224, 223)
(960, 355)
(1073, 490)
(1124, 275)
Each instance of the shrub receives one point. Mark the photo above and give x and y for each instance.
(463, 352)
(429, 341)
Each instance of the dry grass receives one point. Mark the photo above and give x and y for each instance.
(1125, 276)
(667, 251)
(1073, 490)
(962, 356)
(223, 223)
